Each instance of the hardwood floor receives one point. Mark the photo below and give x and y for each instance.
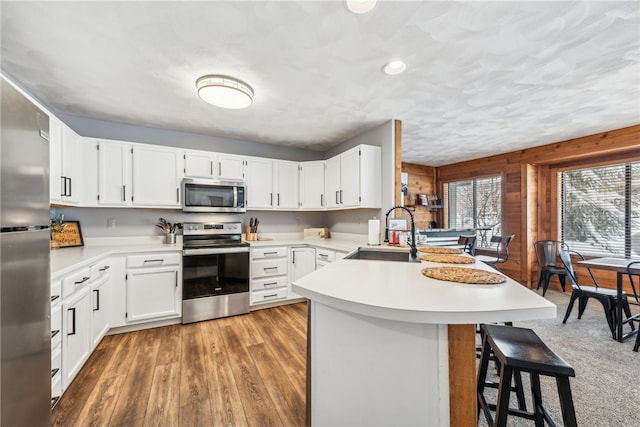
(241, 370)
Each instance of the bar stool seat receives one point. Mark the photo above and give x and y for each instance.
(521, 350)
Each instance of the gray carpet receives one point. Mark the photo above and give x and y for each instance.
(606, 389)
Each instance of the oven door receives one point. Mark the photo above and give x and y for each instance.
(213, 196)
(214, 274)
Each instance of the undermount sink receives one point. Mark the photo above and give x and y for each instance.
(381, 255)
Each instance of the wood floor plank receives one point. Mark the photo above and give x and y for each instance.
(136, 387)
(257, 403)
(287, 400)
(163, 408)
(239, 371)
(225, 400)
(98, 408)
(67, 411)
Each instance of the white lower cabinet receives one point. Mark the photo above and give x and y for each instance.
(154, 286)
(100, 306)
(269, 278)
(326, 256)
(76, 334)
(303, 262)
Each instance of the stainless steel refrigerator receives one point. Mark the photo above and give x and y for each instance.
(25, 331)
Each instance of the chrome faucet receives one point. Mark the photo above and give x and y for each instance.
(413, 254)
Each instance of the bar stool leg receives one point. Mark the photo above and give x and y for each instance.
(482, 377)
(504, 390)
(537, 400)
(517, 378)
(566, 402)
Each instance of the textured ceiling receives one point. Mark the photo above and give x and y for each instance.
(483, 78)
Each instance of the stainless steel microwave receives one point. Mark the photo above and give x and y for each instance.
(207, 195)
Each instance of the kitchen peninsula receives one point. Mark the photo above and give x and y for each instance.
(380, 341)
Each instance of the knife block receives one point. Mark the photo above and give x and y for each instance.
(249, 236)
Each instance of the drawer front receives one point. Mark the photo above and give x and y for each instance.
(268, 295)
(74, 281)
(56, 361)
(56, 326)
(268, 267)
(268, 283)
(56, 291)
(153, 260)
(325, 255)
(260, 253)
(56, 388)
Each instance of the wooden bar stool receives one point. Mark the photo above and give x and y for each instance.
(520, 350)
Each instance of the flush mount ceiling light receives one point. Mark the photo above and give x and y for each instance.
(360, 6)
(225, 91)
(395, 67)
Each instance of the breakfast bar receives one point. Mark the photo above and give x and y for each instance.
(389, 346)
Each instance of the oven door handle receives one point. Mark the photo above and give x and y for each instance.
(214, 251)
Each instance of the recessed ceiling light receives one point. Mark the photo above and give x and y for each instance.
(395, 67)
(360, 6)
(225, 91)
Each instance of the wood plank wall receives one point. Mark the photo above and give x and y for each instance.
(422, 180)
(530, 203)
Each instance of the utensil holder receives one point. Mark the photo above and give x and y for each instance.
(170, 239)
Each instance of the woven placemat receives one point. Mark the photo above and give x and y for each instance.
(439, 250)
(448, 258)
(464, 275)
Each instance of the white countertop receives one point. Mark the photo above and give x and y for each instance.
(399, 291)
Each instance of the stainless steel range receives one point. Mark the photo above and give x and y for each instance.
(215, 271)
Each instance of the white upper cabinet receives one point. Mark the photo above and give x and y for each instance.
(259, 178)
(332, 182)
(64, 153)
(114, 173)
(285, 185)
(353, 178)
(200, 164)
(156, 176)
(312, 185)
(231, 167)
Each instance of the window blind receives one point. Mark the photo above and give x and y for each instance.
(600, 212)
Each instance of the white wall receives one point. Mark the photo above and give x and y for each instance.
(141, 222)
(147, 135)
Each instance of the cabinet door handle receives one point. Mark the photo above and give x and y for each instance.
(337, 201)
(219, 169)
(321, 201)
(84, 279)
(178, 195)
(70, 192)
(176, 279)
(105, 268)
(97, 291)
(278, 199)
(340, 196)
(270, 253)
(271, 284)
(63, 186)
(55, 332)
(211, 167)
(270, 199)
(323, 256)
(153, 260)
(124, 193)
(270, 296)
(293, 261)
(270, 268)
(73, 320)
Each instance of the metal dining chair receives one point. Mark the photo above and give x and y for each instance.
(633, 270)
(547, 252)
(468, 244)
(502, 251)
(607, 297)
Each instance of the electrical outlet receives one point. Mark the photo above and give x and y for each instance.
(111, 223)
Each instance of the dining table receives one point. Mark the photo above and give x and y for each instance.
(619, 265)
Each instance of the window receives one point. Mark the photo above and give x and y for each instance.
(476, 204)
(601, 209)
